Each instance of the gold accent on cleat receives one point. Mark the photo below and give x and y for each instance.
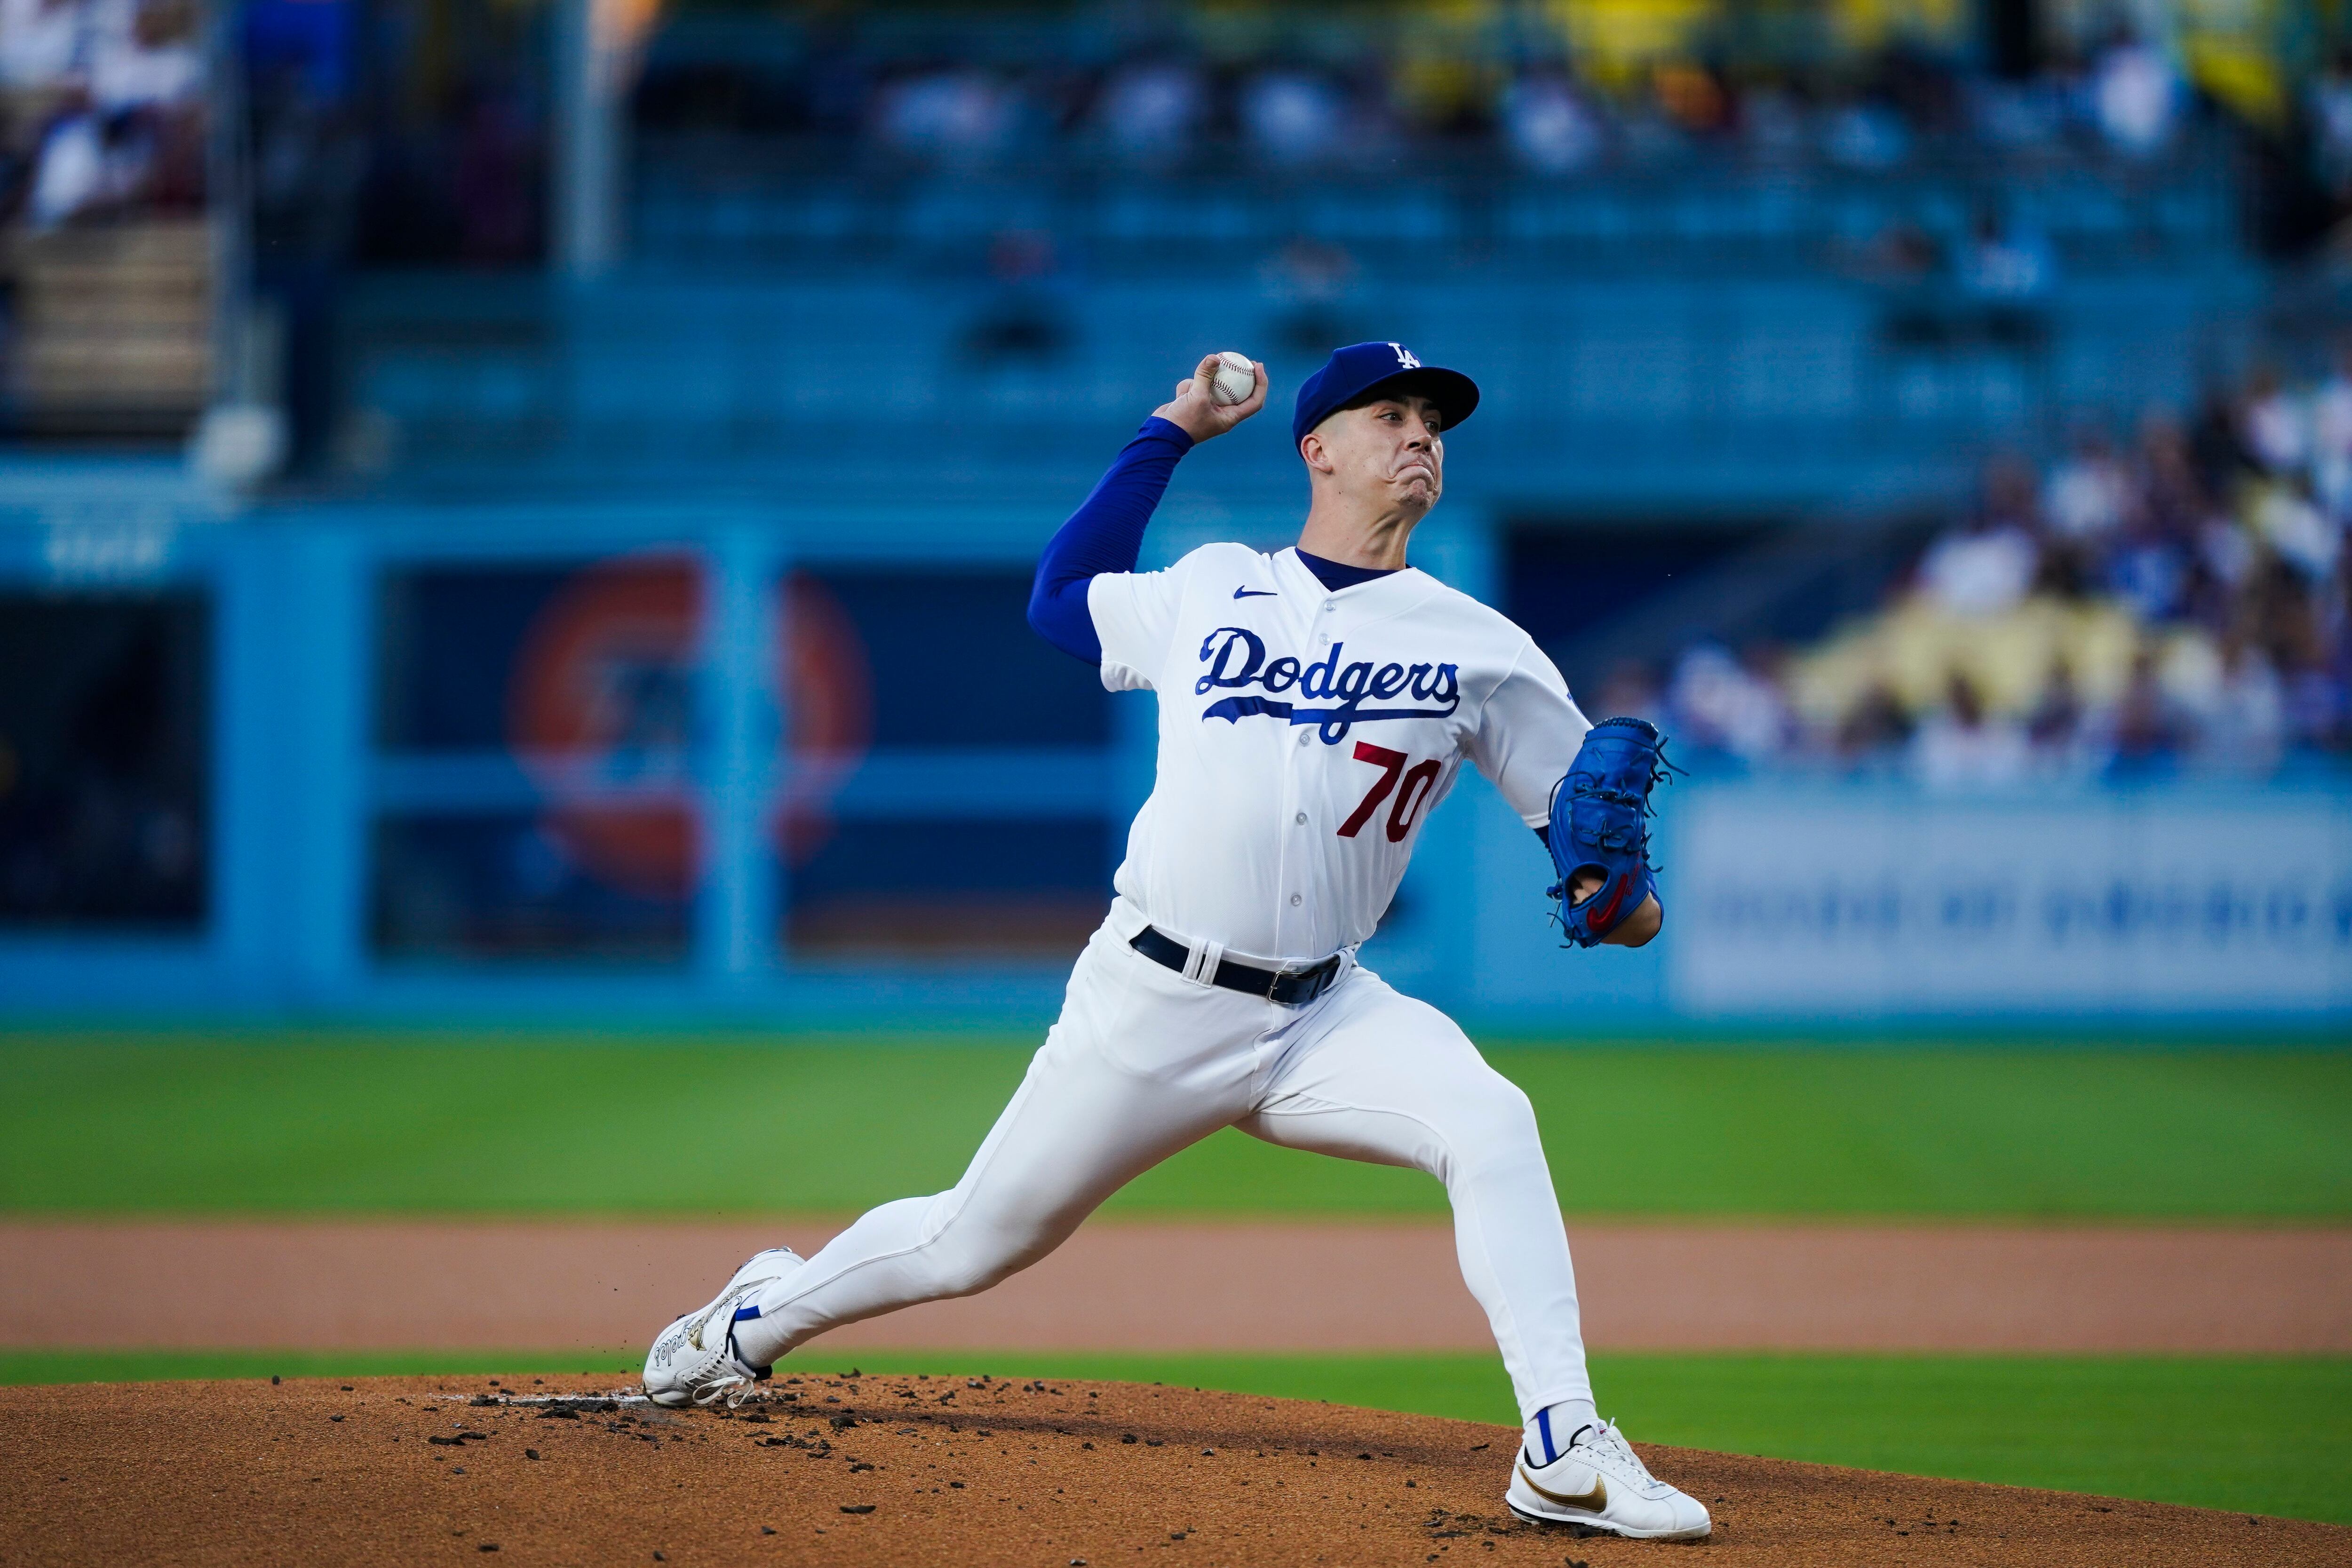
(1595, 1501)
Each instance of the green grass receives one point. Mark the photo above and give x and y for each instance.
(2269, 1435)
(454, 1123)
(2252, 1434)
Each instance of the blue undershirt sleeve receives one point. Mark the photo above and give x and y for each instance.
(1104, 535)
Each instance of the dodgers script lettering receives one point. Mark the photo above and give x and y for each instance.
(1236, 660)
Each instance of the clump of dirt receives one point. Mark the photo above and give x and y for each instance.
(844, 1469)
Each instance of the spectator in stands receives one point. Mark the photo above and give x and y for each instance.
(1547, 125)
(40, 43)
(1692, 96)
(2142, 735)
(2149, 570)
(1150, 111)
(2241, 727)
(2166, 480)
(1985, 568)
(2089, 494)
(2272, 429)
(2087, 500)
(70, 172)
(114, 85)
(2214, 444)
(1292, 117)
(954, 115)
(2331, 438)
(142, 55)
(2135, 95)
(1960, 747)
(1874, 727)
(2053, 730)
(2227, 557)
(2284, 517)
(2329, 102)
(2276, 608)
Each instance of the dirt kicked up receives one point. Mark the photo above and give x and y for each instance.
(851, 1470)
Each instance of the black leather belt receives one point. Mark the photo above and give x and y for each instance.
(1290, 987)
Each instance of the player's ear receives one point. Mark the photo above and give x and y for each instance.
(1311, 448)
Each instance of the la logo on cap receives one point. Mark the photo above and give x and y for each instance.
(1405, 360)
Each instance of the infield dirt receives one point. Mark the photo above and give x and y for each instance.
(1160, 1286)
(842, 1468)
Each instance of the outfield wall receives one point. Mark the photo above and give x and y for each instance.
(1796, 902)
(608, 763)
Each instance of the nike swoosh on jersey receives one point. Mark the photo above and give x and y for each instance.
(1256, 593)
(1596, 1500)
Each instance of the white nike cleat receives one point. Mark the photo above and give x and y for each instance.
(1602, 1484)
(696, 1360)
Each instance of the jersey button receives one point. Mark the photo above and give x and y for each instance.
(1294, 900)
(1303, 735)
(1301, 819)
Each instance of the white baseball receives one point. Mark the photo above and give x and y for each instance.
(1232, 379)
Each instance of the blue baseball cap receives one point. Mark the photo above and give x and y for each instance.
(1353, 374)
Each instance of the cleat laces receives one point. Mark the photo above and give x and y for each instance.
(727, 1380)
(1608, 1443)
(727, 1375)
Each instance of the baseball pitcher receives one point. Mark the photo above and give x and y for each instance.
(1316, 705)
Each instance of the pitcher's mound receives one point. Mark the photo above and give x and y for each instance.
(844, 1469)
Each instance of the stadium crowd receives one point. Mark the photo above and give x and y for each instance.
(100, 110)
(1288, 107)
(2177, 601)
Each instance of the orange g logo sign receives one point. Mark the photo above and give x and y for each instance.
(601, 715)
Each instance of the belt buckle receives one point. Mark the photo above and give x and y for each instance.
(1282, 974)
(1274, 979)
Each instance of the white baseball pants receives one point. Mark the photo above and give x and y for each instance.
(1144, 1062)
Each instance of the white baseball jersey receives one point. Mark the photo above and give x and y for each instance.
(1306, 734)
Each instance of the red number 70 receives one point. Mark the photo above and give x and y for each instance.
(1419, 783)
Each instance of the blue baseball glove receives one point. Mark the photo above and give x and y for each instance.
(1599, 823)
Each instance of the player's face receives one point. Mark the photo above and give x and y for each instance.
(1392, 450)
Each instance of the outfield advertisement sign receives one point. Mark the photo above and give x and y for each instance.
(2171, 901)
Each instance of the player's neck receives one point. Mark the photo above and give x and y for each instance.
(1351, 538)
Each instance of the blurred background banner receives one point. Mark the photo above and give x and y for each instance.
(523, 508)
(2179, 900)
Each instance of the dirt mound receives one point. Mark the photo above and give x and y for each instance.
(844, 1469)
